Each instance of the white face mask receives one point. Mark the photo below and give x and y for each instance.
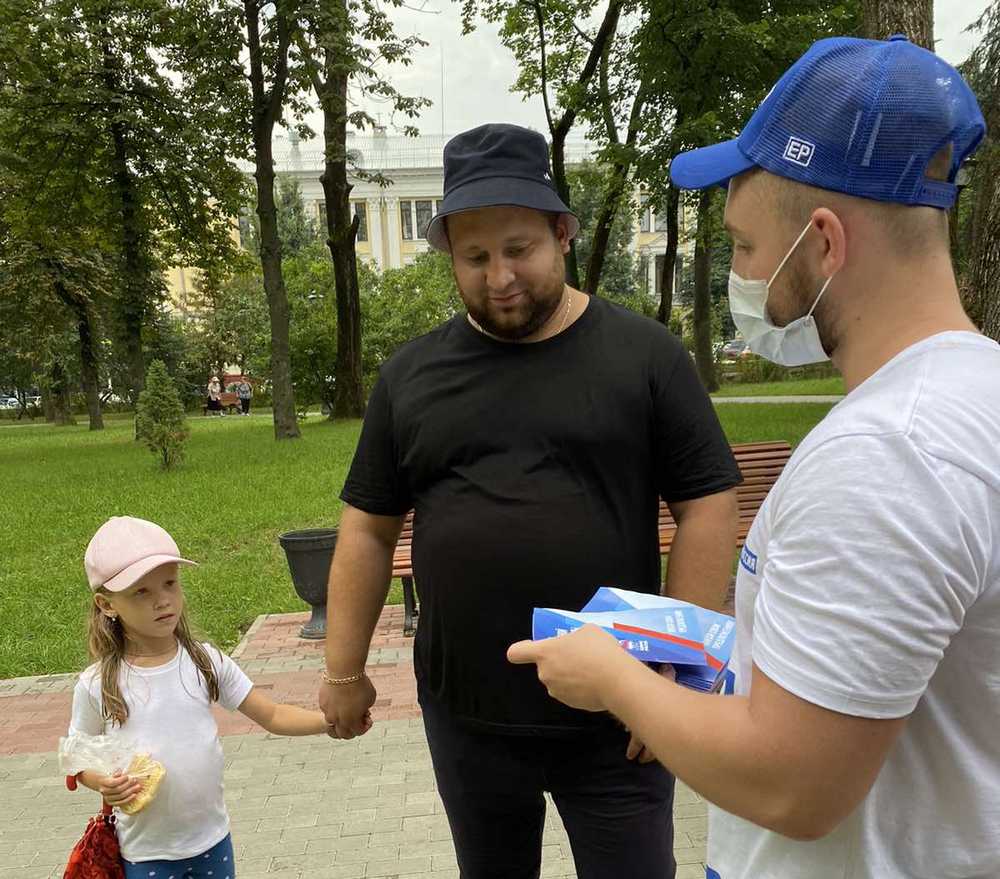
(794, 344)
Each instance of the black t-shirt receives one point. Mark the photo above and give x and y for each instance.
(535, 473)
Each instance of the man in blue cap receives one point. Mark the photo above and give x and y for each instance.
(533, 436)
(862, 739)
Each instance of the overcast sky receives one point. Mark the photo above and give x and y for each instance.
(478, 69)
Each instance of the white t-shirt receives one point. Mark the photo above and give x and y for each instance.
(170, 717)
(870, 585)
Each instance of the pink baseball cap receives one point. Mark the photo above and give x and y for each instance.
(125, 549)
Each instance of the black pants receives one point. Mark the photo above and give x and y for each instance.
(245, 403)
(618, 814)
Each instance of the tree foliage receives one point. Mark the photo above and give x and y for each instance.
(588, 182)
(559, 46)
(346, 48)
(297, 229)
(115, 141)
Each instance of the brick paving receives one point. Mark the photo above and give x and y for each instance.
(300, 807)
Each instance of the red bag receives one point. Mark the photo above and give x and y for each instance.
(96, 855)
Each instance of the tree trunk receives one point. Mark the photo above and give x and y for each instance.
(602, 228)
(982, 292)
(282, 393)
(954, 239)
(914, 18)
(266, 109)
(666, 278)
(619, 180)
(88, 370)
(562, 187)
(981, 282)
(48, 406)
(60, 396)
(349, 398)
(88, 353)
(22, 404)
(133, 303)
(977, 212)
(702, 317)
(560, 130)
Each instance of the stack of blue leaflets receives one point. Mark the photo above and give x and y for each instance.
(696, 641)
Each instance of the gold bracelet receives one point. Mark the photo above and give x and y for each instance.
(353, 679)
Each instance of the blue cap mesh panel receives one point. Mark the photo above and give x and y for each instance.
(865, 117)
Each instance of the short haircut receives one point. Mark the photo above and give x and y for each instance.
(909, 229)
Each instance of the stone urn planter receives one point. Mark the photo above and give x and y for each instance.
(309, 554)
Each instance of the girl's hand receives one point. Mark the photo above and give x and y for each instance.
(347, 707)
(118, 789)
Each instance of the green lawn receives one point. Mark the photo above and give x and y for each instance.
(237, 491)
(225, 507)
(760, 422)
(791, 388)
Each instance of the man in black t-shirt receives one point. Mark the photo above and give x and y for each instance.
(534, 437)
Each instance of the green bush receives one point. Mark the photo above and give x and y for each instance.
(753, 370)
(159, 417)
(641, 303)
(402, 304)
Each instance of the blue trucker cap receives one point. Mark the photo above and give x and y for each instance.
(862, 117)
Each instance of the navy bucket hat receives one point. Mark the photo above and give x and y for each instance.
(492, 166)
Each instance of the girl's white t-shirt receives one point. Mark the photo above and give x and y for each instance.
(170, 718)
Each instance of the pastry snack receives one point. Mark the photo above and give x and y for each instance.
(151, 773)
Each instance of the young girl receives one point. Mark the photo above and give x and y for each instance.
(155, 683)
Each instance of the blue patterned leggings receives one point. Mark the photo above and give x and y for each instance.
(216, 863)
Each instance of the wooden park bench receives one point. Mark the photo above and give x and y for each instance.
(760, 463)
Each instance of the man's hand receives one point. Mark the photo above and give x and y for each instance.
(359, 580)
(635, 746)
(347, 707)
(576, 669)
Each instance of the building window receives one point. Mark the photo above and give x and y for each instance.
(683, 280)
(415, 216)
(644, 214)
(660, 221)
(661, 261)
(425, 212)
(360, 210)
(406, 216)
(246, 230)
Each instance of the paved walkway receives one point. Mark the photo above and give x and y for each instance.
(816, 398)
(302, 808)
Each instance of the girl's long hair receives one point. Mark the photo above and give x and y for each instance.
(106, 643)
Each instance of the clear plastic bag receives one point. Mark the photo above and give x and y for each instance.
(109, 754)
(106, 754)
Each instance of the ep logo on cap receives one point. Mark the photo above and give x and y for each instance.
(799, 151)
